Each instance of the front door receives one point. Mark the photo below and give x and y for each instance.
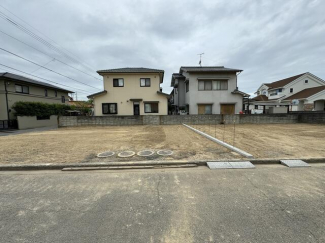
(136, 109)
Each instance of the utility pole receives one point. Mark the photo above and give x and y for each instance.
(200, 59)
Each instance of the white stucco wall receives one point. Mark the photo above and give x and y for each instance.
(217, 97)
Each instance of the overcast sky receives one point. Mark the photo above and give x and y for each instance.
(269, 40)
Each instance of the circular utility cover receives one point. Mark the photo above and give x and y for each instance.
(126, 154)
(105, 154)
(145, 153)
(165, 152)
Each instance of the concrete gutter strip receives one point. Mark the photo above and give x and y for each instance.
(164, 164)
(237, 150)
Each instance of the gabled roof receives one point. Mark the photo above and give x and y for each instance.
(98, 93)
(304, 94)
(131, 70)
(31, 81)
(177, 75)
(261, 98)
(283, 82)
(210, 69)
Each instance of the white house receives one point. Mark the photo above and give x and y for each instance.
(206, 90)
(303, 92)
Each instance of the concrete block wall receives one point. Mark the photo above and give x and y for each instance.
(315, 118)
(151, 120)
(70, 121)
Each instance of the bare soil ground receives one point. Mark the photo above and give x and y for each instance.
(272, 140)
(82, 144)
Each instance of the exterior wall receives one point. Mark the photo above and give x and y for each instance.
(28, 122)
(181, 93)
(217, 97)
(36, 94)
(298, 117)
(3, 105)
(319, 105)
(131, 90)
(277, 110)
(263, 90)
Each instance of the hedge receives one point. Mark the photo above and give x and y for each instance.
(23, 108)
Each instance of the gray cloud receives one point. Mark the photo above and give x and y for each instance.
(270, 40)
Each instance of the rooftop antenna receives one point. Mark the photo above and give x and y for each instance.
(200, 59)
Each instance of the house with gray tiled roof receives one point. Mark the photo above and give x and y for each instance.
(14, 88)
(206, 90)
(131, 91)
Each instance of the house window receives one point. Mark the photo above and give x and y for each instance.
(291, 90)
(306, 81)
(256, 107)
(187, 88)
(109, 108)
(144, 82)
(280, 90)
(118, 82)
(63, 99)
(56, 93)
(45, 92)
(205, 109)
(22, 89)
(151, 107)
(213, 85)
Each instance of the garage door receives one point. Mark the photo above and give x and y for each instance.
(228, 109)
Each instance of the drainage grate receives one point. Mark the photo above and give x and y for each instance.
(165, 152)
(294, 163)
(126, 154)
(230, 165)
(145, 153)
(105, 154)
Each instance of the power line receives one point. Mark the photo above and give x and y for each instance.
(43, 65)
(86, 92)
(38, 38)
(46, 68)
(47, 54)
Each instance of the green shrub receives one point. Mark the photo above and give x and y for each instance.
(23, 108)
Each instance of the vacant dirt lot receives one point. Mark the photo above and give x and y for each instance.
(273, 141)
(82, 144)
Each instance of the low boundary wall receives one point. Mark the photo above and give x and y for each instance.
(28, 122)
(71, 121)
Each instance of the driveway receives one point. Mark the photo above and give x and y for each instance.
(266, 204)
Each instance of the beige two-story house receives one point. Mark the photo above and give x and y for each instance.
(14, 88)
(131, 91)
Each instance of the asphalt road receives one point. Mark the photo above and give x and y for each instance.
(266, 204)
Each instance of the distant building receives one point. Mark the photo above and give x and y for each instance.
(14, 88)
(131, 91)
(303, 92)
(206, 90)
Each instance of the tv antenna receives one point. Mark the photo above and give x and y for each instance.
(200, 59)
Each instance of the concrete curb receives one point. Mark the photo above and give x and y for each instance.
(50, 166)
(228, 146)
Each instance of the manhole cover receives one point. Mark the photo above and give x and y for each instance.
(145, 153)
(105, 154)
(165, 152)
(125, 154)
